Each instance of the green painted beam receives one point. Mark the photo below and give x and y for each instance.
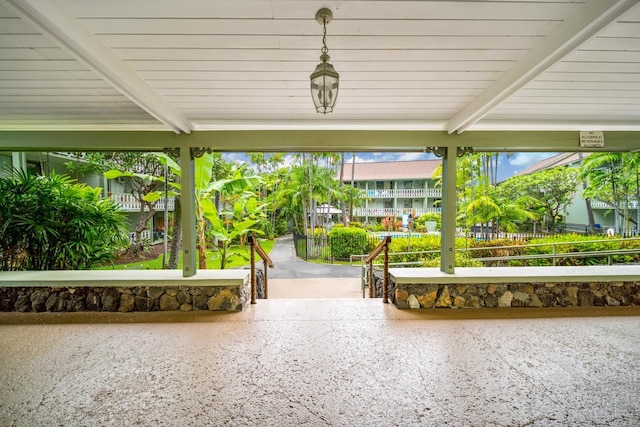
(89, 140)
(309, 140)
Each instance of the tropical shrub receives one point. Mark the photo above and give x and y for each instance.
(347, 241)
(463, 259)
(495, 247)
(52, 223)
(580, 243)
(418, 244)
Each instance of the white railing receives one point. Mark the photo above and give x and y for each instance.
(382, 212)
(597, 204)
(145, 235)
(406, 193)
(128, 202)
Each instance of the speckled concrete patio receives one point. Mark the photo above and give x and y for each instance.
(323, 362)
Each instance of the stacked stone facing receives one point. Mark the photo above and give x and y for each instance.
(124, 299)
(516, 295)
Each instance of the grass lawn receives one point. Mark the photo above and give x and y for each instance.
(213, 260)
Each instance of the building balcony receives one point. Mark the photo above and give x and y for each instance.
(129, 203)
(406, 193)
(397, 212)
(597, 204)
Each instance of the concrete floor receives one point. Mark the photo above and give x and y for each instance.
(322, 362)
(315, 288)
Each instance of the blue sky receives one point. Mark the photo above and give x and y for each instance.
(507, 166)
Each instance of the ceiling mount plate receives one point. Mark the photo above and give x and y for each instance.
(324, 15)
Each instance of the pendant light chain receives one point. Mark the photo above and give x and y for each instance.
(325, 79)
(324, 49)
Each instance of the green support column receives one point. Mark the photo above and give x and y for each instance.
(188, 203)
(448, 229)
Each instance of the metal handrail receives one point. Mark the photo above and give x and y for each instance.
(382, 246)
(554, 244)
(553, 256)
(255, 247)
(608, 253)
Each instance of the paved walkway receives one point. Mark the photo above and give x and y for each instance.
(298, 279)
(322, 363)
(287, 266)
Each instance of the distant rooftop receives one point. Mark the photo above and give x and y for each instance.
(387, 171)
(562, 159)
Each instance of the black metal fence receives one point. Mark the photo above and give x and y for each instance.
(312, 248)
(319, 248)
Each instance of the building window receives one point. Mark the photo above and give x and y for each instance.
(5, 165)
(388, 203)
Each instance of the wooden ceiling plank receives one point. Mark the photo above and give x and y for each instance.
(335, 43)
(311, 54)
(295, 9)
(307, 27)
(578, 28)
(305, 67)
(58, 24)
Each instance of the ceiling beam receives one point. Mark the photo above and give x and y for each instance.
(51, 18)
(310, 141)
(570, 34)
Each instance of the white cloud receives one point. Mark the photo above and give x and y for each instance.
(234, 157)
(528, 159)
(389, 157)
(412, 156)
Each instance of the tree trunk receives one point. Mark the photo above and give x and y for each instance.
(343, 206)
(202, 245)
(353, 173)
(616, 208)
(176, 235)
(587, 202)
(637, 204)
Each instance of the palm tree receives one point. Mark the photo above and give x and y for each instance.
(602, 170)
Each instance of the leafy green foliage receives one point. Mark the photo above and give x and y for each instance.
(347, 241)
(496, 248)
(545, 193)
(142, 172)
(420, 222)
(418, 244)
(579, 243)
(463, 259)
(51, 223)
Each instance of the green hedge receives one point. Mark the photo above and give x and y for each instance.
(347, 241)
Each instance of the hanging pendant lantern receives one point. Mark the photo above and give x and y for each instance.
(324, 80)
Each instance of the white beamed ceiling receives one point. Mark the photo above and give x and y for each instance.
(203, 64)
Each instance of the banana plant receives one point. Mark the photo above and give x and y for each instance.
(225, 226)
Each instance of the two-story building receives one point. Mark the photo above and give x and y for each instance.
(576, 214)
(394, 188)
(116, 189)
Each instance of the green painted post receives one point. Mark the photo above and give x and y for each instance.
(188, 201)
(448, 230)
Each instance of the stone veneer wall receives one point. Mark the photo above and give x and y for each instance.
(127, 299)
(124, 299)
(556, 294)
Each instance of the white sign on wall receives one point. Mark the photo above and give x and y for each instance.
(592, 139)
